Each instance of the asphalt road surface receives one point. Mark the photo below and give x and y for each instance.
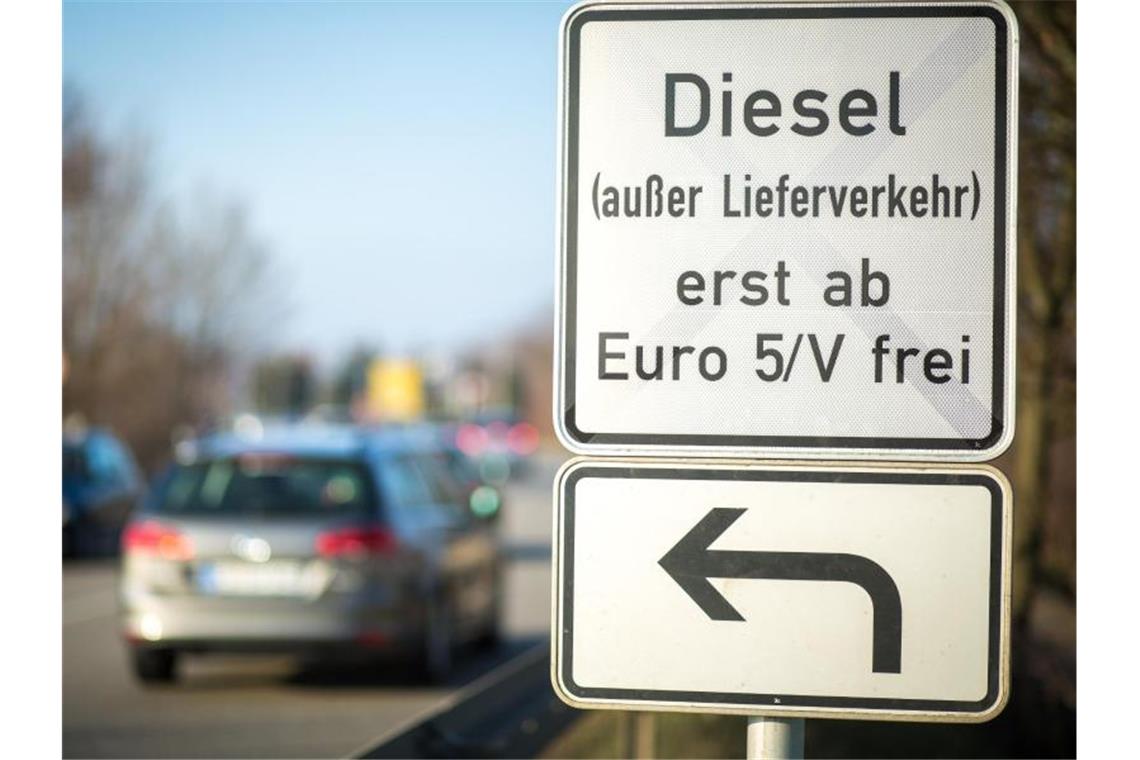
(274, 706)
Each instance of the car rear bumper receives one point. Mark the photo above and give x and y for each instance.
(236, 624)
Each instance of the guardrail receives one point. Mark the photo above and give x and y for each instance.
(510, 712)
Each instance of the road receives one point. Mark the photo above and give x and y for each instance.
(247, 706)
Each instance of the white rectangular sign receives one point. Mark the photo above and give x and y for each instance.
(787, 229)
(853, 592)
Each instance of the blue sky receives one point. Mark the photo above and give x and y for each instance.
(397, 158)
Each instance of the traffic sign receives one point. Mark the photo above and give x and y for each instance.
(783, 590)
(787, 229)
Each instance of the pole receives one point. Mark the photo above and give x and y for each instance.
(643, 734)
(775, 738)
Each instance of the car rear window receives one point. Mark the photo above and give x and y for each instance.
(268, 486)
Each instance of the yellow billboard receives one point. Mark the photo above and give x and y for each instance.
(395, 390)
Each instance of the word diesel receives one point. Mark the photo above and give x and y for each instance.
(762, 110)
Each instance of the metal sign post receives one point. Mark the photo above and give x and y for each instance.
(775, 739)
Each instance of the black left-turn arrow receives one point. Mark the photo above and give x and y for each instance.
(691, 563)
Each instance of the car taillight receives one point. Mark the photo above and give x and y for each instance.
(471, 439)
(523, 439)
(153, 539)
(356, 542)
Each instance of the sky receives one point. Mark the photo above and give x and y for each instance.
(397, 159)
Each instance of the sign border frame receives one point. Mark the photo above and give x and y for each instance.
(1003, 381)
(785, 705)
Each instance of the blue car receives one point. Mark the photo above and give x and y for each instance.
(100, 487)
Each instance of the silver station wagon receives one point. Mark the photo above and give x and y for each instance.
(309, 540)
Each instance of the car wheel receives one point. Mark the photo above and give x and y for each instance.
(490, 636)
(437, 655)
(154, 665)
(68, 542)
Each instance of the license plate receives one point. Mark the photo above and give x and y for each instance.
(247, 579)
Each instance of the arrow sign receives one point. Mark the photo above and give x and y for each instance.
(624, 636)
(691, 563)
